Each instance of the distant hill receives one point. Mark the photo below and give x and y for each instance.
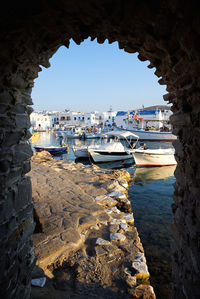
(160, 107)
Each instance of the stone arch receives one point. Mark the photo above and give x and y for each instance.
(166, 34)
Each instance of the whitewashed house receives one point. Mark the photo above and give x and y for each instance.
(107, 119)
(44, 120)
(83, 119)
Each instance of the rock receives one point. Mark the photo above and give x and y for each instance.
(87, 221)
(84, 233)
(117, 221)
(131, 281)
(113, 210)
(107, 201)
(129, 218)
(144, 291)
(41, 156)
(113, 228)
(117, 195)
(141, 267)
(38, 282)
(117, 237)
(95, 227)
(140, 257)
(123, 183)
(124, 226)
(100, 197)
(101, 241)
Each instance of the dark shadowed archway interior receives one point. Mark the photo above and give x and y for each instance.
(166, 34)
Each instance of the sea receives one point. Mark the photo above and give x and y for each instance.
(150, 194)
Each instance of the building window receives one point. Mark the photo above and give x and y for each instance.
(62, 118)
(74, 118)
(88, 118)
(83, 118)
(68, 118)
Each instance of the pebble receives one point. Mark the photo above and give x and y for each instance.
(124, 226)
(141, 267)
(117, 194)
(96, 227)
(38, 282)
(101, 241)
(113, 210)
(117, 237)
(117, 221)
(129, 218)
(123, 183)
(140, 257)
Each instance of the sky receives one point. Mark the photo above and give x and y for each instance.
(94, 77)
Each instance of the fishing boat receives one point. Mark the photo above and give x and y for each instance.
(54, 150)
(153, 157)
(80, 151)
(70, 132)
(90, 135)
(113, 150)
(152, 135)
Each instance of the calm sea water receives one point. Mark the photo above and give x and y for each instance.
(151, 196)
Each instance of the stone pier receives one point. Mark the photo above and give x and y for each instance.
(85, 239)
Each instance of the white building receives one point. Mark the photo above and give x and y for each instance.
(44, 120)
(78, 118)
(107, 118)
(143, 119)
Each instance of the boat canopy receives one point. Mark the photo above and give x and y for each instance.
(121, 134)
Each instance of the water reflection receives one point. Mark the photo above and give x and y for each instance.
(150, 195)
(154, 173)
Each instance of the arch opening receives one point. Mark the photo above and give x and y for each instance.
(104, 67)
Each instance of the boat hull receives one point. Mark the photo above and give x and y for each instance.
(145, 159)
(53, 151)
(153, 135)
(80, 152)
(102, 156)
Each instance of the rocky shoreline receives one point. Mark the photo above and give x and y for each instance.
(85, 241)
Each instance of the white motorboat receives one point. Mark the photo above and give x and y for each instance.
(153, 157)
(114, 150)
(152, 135)
(80, 151)
(69, 132)
(87, 135)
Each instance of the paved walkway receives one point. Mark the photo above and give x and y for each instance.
(85, 240)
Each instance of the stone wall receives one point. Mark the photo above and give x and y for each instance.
(16, 221)
(164, 32)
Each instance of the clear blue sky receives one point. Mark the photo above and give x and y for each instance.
(93, 77)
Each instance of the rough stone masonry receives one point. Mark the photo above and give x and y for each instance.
(164, 33)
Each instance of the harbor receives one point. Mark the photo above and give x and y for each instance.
(136, 195)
